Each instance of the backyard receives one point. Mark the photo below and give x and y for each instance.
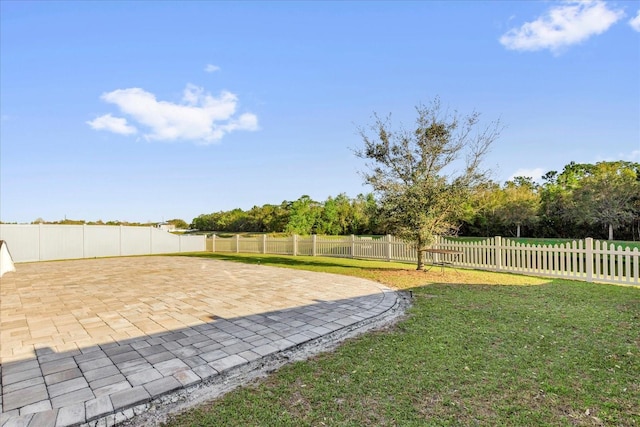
(476, 348)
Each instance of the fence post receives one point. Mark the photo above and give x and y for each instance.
(353, 246)
(237, 243)
(39, 241)
(388, 247)
(314, 239)
(295, 245)
(264, 243)
(498, 251)
(213, 242)
(588, 242)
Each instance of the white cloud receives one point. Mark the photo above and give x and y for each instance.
(199, 117)
(562, 26)
(632, 156)
(112, 124)
(210, 68)
(635, 22)
(535, 174)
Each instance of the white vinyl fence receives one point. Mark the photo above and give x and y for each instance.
(46, 242)
(588, 260)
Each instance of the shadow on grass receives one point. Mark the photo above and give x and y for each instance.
(393, 274)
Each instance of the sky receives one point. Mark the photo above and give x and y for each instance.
(150, 111)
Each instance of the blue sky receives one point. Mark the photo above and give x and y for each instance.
(144, 111)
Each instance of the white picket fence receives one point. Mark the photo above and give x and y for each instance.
(588, 260)
(46, 242)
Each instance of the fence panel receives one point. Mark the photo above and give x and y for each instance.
(614, 264)
(61, 243)
(163, 242)
(223, 244)
(334, 246)
(45, 242)
(280, 246)
(193, 243)
(371, 248)
(23, 241)
(249, 245)
(400, 251)
(135, 241)
(304, 245)
(101, 240)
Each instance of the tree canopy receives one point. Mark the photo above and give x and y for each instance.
(423, 177)
(584, 200)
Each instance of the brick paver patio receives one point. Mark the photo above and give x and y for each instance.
(84, 340)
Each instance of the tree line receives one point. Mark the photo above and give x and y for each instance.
(339, 215)
(600, 200)
(177, 222)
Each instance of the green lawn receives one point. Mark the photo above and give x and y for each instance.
(497, 350)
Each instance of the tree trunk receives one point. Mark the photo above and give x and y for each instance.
(518, 232)
(419, 246)
(610, 232)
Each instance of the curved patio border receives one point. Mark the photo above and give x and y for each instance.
(155, 373)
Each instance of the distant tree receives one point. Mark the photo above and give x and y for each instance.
(179, 223)
(303, 214)
(556, 217)
(520, 203)
(335, 216)
(635, 225)
(70, 221)
(480, 211)
(277, 217)
(365, 218)
(606, 195)
(328, 221)
(424, 176)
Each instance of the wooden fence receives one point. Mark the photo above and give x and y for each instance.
(588, 260)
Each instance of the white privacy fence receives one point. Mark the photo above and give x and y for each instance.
(46, 242)
(588, 260)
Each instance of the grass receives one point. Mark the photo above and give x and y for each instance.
(544, 353)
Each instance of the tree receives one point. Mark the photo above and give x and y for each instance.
(303, 214)
(336, 216)
(520, 203)
(606, 195)
(423, 177)
(328, 221)
(364, 215)
(179, 223)
(557, 216)
(480, 218)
